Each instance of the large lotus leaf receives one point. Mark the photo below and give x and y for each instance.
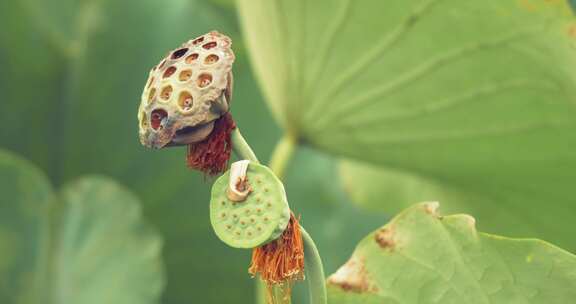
(87, 245)
(423, 257)
(26, 198)
(542, 207)
(470, 99)
(82, 121)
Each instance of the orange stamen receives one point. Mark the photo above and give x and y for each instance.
(280, 262)
(211, 155)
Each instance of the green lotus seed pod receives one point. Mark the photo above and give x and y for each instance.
(255, 214)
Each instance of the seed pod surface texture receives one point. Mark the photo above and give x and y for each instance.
(191, 86)
(259, 219)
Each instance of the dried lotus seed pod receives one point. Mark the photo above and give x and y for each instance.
(260, 217)
(186, 92)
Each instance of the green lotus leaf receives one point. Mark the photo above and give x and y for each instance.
(87, 245)
(423, 257)
(471, 101)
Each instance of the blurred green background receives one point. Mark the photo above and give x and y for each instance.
(71, 76)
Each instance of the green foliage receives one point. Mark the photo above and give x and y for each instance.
(76, 115)
(422, 257)
(467, 102)
(88, 244)
(471, 102)
(69, 96)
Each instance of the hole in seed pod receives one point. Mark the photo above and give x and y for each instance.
(191, 58)
(151, 94)
(144, 120)
(156, 118)
(210, 59)
(223, 203)
(242, 223)
(198, 40)
(228, 227)
(185, 75)
(185, 101)
(259, 228)
(252, 220)
(265, 219)
(179, 53)
(166, 92)
(223, 215)
(204, 80)
(169, 71)
(249, 233)
(209, 45)
(238, 233)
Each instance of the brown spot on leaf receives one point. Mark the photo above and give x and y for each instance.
(385, 238)
(572, 31)
(352, 277)
(432, 208)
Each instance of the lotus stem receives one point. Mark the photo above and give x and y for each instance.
(241, 147)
